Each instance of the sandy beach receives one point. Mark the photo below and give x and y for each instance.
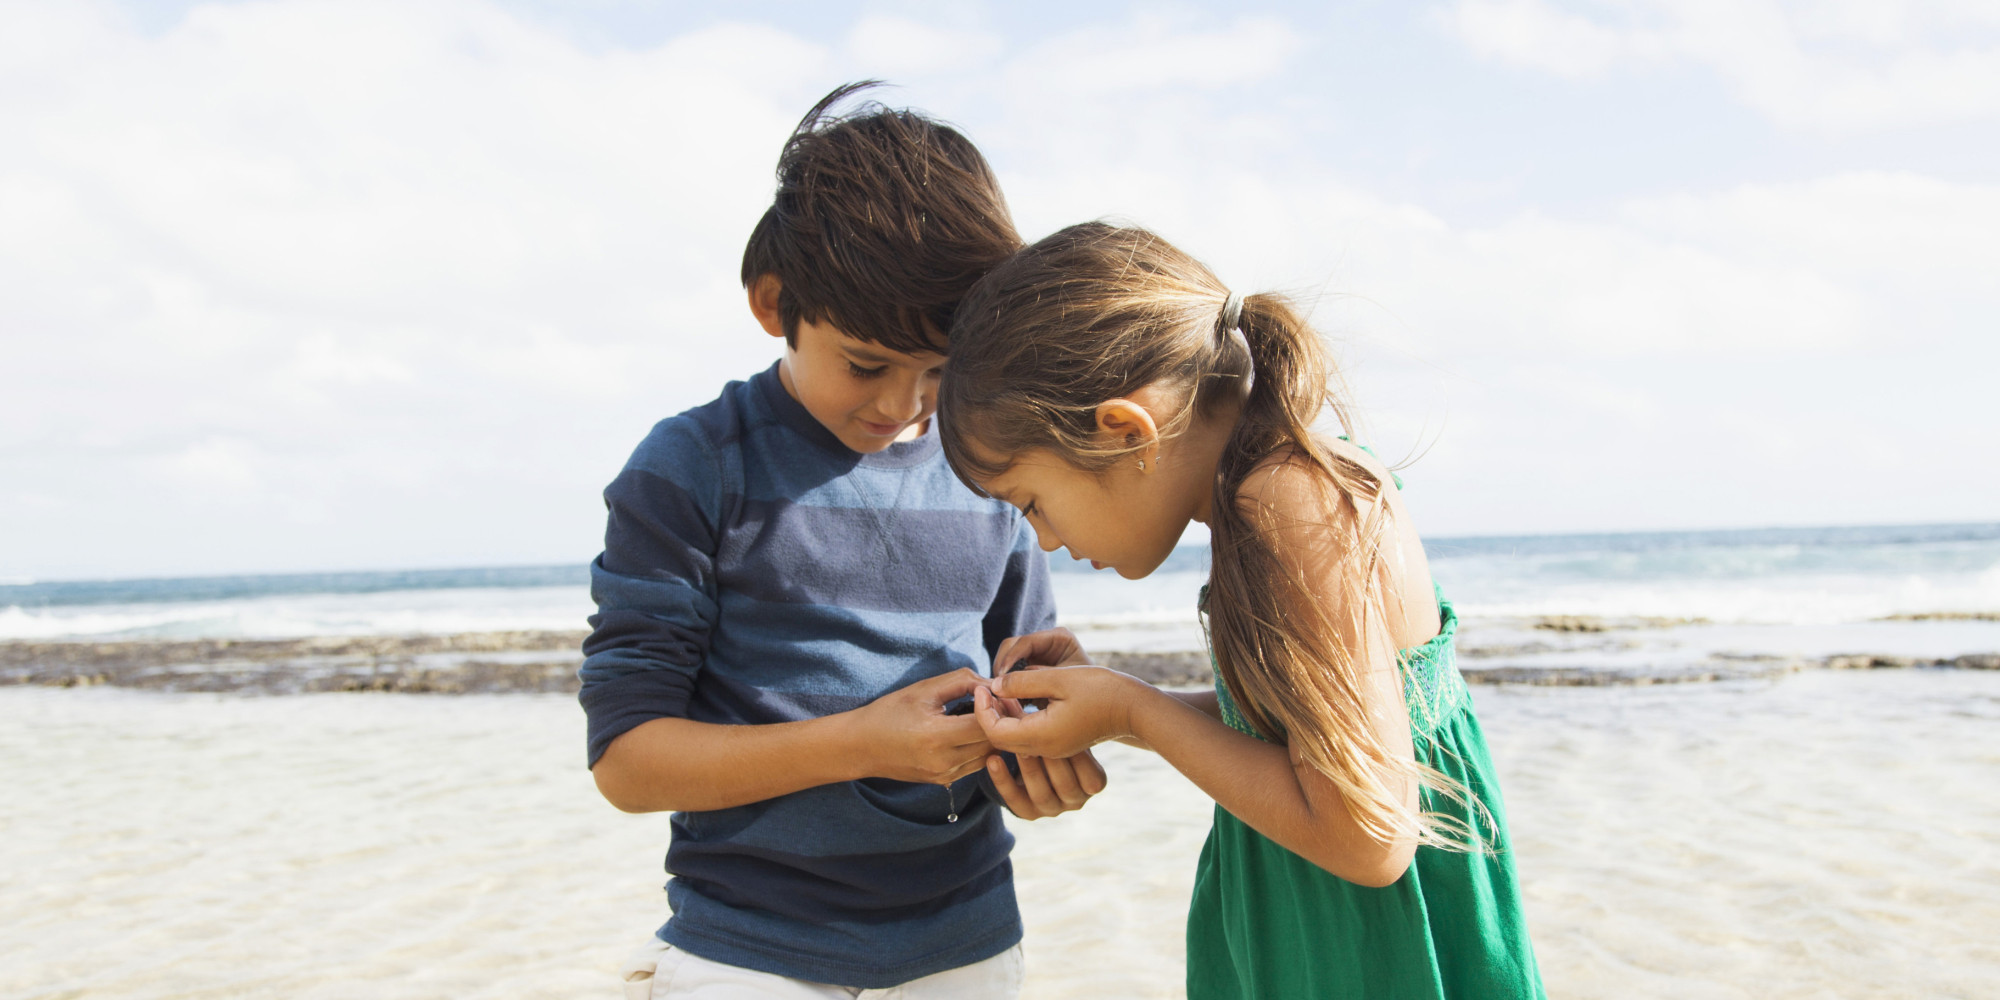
(1821, 833)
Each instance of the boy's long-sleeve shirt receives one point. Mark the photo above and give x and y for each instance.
(756, 570)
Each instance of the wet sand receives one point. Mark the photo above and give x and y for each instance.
(1822, 833)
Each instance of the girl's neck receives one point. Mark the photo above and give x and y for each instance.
(1197, 452)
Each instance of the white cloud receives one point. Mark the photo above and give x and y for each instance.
(1839, 67)
(899, 48)
(1149, 54)
(313, 236)
(420, 275)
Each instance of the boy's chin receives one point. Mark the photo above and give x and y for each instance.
(868, 444)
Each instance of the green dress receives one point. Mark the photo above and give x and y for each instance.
(1268, 923)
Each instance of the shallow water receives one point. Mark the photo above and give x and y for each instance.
(1824, 834)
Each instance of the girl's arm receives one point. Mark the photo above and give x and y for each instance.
(1058, 647)
(1266, 785)
(1258, 782)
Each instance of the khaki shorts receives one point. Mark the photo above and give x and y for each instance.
(659, 971)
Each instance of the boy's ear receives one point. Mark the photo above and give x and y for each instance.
(764, 304)
(1124, 422)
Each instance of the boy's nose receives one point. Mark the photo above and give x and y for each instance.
(902, 402)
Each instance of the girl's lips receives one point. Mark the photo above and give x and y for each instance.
(1094, 564)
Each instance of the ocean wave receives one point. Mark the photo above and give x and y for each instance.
(411, 612)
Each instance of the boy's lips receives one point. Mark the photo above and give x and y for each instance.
(882, 430)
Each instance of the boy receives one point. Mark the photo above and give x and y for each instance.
(793, 589)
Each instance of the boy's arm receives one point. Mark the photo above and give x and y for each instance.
(656, 598)
(680, 764)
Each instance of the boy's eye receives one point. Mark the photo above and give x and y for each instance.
(859, 372)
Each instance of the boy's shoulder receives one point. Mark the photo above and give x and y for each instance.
(706, 432)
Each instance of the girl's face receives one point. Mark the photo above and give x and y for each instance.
(1125, 519)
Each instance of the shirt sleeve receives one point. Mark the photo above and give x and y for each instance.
(654, 585)
(1024, 603)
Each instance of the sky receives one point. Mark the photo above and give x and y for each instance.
(294, 285)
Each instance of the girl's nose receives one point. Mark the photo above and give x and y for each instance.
(1047, 540)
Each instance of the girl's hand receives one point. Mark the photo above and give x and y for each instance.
(1056, 647)
(1083, 706)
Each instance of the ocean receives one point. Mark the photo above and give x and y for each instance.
(1643, 605)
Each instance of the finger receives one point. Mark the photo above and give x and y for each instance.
(997, 728)
(1047, 648)
(961, 730)
(969, 766)
(947, 687)
(1090, 774)
(1022, 685)
(1035, 778)
(1010, 790)
(1003, 658)
(1064, 783)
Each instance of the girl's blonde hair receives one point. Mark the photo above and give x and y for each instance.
(1093, 313)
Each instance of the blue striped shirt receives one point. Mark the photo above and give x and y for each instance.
(756, 570)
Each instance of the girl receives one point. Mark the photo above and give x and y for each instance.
(1110, 387)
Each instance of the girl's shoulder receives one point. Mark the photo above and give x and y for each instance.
(1286, 480)
(1316, 521)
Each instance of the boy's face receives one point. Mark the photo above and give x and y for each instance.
(869, 396)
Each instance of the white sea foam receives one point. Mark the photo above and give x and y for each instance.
(1724, 580)
(1780, 599)
(396, 612)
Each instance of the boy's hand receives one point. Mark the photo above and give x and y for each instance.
(1055, 647)
(1048, 786)
(910, 738)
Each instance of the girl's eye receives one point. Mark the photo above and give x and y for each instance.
(1030, 509)
(859, 372)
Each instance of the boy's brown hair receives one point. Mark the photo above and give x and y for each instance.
(883, 220)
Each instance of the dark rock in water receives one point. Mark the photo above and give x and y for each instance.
(1593, 623)
(1873, 661)
(1718, 668)
(1177, 669)
(486, 662)
(1944, 616)
(471, 662)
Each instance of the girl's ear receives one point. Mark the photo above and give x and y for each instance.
(764, 304)
(1125, 423)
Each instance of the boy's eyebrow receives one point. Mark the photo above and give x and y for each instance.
(863, 352)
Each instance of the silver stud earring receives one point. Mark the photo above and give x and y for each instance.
(1142, 465)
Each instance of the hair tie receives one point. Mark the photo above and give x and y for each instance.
(1232, 313)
